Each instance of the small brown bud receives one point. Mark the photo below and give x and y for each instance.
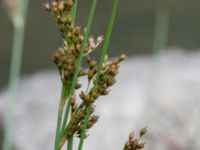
(61, 6)
(131, 136)
(78, 47)
(143, 131)
(127, 144)
(64, 59)
(76, 30)
(55, 57)
(84, 97)
(111, 81)
(72, 99)
(81, 38)
(90, 74)
(68, 19)
(92, 64)
(140, 145)
(104, 92)
(69, 3)
(122, 57)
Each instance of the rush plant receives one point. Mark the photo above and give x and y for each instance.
(75, 118)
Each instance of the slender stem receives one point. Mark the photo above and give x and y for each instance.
(70, 144)
(88, 27)
(88, 86)
(74, 10)
(161, 30)
(103, 53)
(19, 19)
(63, 97)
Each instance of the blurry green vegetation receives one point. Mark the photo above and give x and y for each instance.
(136, 24)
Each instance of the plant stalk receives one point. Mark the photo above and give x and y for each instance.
(102, 58)
(19, 21)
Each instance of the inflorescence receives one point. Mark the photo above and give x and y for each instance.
(133, 143)
(66, 59)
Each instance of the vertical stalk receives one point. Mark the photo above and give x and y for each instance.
(74, 11)
(103, 53)
(161, 30)
(86, 35)
(18, 19)
(64, 95)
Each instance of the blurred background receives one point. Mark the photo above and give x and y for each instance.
(133, 34)
(161, 76)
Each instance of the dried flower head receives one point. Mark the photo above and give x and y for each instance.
(133, 143)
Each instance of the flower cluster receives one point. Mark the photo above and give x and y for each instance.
(106, 79)
(66, 59)
(134, 144)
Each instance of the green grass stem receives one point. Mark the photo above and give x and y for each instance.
(74, 11)
(102, 58)
(64, 95)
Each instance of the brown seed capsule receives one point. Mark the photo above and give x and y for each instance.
(140, 145)
(126, 147)
(61, 6)
(81, 38)
(64, 59)
(78, 47)
(122, 57)
(68, 19)
(55, 57)
(72, 99)
(104, 92)
(76, 30)
(131, 136)
(69, 3)
(92, 64)
(111, 82)
(90, 74)
(143, 131)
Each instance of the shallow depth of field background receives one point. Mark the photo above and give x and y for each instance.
(134, 34)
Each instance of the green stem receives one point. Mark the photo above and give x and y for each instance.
(19, 19)
(70, 144)
(79, 62)
(103, 53)
(64, 95)
(161, 30)
(73, 14)
(74, 10)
